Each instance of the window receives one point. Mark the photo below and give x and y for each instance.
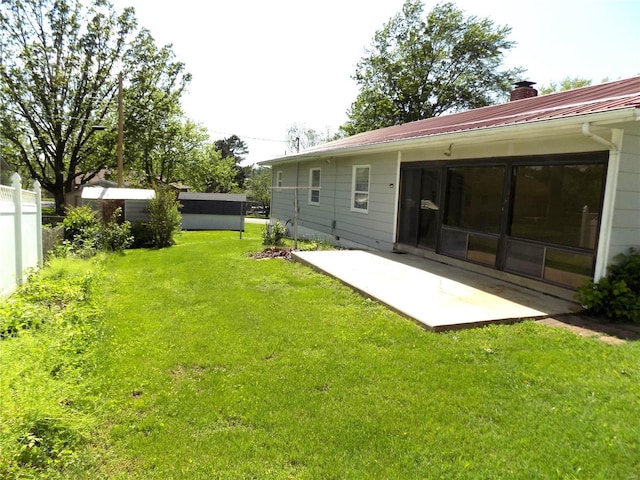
(558, 204)
(314, 186)
(360, 188)
(279, 179)
(474, 198)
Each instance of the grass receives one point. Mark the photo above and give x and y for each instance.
(212, 364)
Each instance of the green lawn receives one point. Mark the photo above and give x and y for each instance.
(211, 364)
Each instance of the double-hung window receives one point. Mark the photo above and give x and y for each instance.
(314, 186)
(360, 188)
(279, 179)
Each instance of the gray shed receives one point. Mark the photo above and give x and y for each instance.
(212, 211)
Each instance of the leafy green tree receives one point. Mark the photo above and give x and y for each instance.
(164, 218)
(156, 134)
(567, 83)
(234, 147)
(259, 187)
(57, 72)
(419, 68)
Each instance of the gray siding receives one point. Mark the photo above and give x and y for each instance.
(333, 216)
(625, 231)
(136, 210)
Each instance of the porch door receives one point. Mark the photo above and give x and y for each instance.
(428, 218)
(419, 216)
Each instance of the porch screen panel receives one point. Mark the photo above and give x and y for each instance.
(558, 204)
(409, 206)
(474, 198)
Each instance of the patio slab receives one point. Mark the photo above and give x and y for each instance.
(438, 296)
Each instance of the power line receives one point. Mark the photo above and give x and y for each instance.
(242, 137)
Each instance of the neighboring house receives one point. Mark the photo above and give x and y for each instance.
(132, 201)
(212, 211)
(542, 190)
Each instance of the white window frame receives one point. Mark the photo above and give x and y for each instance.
(314, 188)
(355, 192)
(279, 179)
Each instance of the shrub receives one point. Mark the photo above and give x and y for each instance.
(164, 218)
(80, 222)
(616, 297)
(273, 235)
(114, 236)
(84, 234)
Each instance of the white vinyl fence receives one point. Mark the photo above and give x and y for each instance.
(20, 233)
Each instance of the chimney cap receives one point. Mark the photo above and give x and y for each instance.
(524, 84)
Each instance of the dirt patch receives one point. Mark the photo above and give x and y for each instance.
(273, 252)
(586, 326)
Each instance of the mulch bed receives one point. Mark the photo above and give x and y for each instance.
(273, 252)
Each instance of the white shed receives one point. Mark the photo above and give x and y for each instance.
(105, 200)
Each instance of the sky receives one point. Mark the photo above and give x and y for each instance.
(260, 66)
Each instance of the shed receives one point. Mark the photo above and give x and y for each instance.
(105, 200)
(212, 211)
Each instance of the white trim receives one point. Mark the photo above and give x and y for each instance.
(312, 187)
(353, 188)
(608, 206)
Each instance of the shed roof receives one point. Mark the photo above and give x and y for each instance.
(606, 97)
(106, 193)
(222, 197)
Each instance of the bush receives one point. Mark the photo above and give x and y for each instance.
(616, 297)
(273, 235)
(84, 234)
(80, 222)
(114, 236)
(164, 218)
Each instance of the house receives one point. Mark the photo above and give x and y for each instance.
(212, 211)
(543, 191)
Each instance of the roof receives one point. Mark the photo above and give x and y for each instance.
(607, 97)
(102, 193)
(223, 197)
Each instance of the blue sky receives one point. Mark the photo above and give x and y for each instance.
(260, 66)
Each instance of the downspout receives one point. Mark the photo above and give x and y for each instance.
(394, 238)
(608, 203)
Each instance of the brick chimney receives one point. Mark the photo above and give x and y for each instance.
(523, 90)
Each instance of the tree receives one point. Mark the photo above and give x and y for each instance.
(419, 68)
(567, 83)
(57, 73)
(233, 147)
(157, 137)
(301, 137)
(259, 187)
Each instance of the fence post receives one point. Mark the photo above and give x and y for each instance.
(38, 190)
(17, 222)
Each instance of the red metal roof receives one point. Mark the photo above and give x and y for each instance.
(606, 97)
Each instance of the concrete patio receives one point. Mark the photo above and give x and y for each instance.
(438, 296)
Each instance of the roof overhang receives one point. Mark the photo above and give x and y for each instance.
(548, 127)
(107, 193)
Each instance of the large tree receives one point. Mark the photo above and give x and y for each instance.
(156, 133)
(419, 68)
(59, 68)
(57, 72)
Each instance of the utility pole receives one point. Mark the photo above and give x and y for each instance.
(120, 129)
